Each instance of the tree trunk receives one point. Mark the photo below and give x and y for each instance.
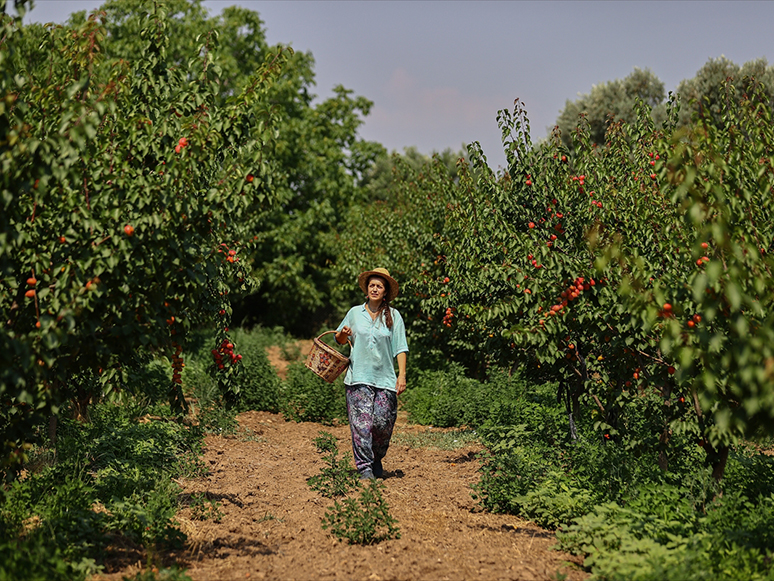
(719, 460)
(52, 430)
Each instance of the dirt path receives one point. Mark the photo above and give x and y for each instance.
(271, 518)
(270, 528)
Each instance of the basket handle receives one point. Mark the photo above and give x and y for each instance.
(337, 343)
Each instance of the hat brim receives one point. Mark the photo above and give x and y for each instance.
(362, 281)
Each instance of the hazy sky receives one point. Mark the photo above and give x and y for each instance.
(438, 72)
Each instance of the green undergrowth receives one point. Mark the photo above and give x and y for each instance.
(604, 488)
(363, 516)
(437, 439)
(108, 478)
(301, 397)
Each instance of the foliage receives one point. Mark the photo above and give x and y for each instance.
(129, 190)
(338, 477)
(111, 476)
(318, 158)
(610, 102)
(611, 501)
(660, 535)
(596, 272)
(164, 574)
(437, 439)
(362, 521)
(204, 508)
(607, 103)
(308, 398)
(447, 398)
(260, 387)
(704, 94)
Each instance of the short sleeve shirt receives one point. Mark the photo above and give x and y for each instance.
(374, 348)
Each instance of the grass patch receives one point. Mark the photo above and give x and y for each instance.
(438, 439)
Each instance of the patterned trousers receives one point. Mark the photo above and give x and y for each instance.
(372, 413)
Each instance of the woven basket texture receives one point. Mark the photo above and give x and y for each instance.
(325, 361)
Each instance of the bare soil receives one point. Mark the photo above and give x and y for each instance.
(271, 524)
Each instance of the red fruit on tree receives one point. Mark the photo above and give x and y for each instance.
(32, 281)
(667, 307)
(30, 293)
(129, 229)
(531, 224)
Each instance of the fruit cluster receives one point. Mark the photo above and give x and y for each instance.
(177, 364)
(447, 320)
(230, 253)
(225, 353)
(32, 282)
(573, 291)
(181, 144)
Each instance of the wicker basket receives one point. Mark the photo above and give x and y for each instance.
(325, 361)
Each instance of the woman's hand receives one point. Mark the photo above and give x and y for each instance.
(343, 335)
(400, 385)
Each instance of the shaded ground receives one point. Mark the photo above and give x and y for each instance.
(270, 527)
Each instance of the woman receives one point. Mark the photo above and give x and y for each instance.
(378, 337)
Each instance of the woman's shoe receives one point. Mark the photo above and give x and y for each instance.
(367, 474)
(378, 470)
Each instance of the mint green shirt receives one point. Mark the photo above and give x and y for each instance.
(374, 348)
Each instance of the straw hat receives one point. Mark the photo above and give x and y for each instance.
(362, 280)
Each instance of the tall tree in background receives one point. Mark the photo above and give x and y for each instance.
(704, 91)
(614, 101)
(318, 158)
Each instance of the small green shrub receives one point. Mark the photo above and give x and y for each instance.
(362, 521)
(148, 518)
(204, 508)
(259, 384)
(34, 558)
(164, 574)
(307, 398)
(661, 535)
(338, 477)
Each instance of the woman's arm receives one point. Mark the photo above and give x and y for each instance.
(400, 385)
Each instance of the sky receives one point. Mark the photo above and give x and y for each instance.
(438, 71)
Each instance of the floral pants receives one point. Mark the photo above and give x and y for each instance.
(372, 413)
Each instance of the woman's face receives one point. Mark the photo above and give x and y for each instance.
(377, 288)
